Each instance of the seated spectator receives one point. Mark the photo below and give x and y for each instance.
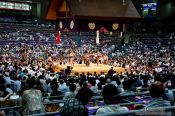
(136, 83)
(2, 113)
(8, 89)
(101, 83)
(55, 91)
(71, 93)
(76, 107)
(93, 86)
(127, 87)
(157, 91)
(169, 96)
(114, 80)
(46, 86)
(63, 87)
(7, 78)
(111, 99)
(17, 84)
(32, 99)
(145, 81)
(2, 80)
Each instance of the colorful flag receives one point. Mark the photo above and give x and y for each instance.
(79, 40)
(58, 38)
(97, 37)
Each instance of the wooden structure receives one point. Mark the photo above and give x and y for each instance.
(92, 15)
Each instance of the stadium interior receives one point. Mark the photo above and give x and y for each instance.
(87, 57)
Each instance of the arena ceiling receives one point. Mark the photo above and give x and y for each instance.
(53, 9)
(91, 8)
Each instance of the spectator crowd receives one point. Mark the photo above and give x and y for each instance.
(26, 74)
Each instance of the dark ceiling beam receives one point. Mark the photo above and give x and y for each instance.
(60, 3)
(45, 7)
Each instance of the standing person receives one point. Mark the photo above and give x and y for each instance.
(72, 55)
(105, 59)
(87, 58)
(97, 57)
(111, 72)
(32, 99)
(68, 71)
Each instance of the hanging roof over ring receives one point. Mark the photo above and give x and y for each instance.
(103, 8)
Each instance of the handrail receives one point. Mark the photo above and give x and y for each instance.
(54, 102)
(131, 112)
(99, 97)
(157, 110)
(153, 111)
(131, 103)
(48, 97)
(135, 94)
(63, 101)
(45, 114)
(13, 107)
